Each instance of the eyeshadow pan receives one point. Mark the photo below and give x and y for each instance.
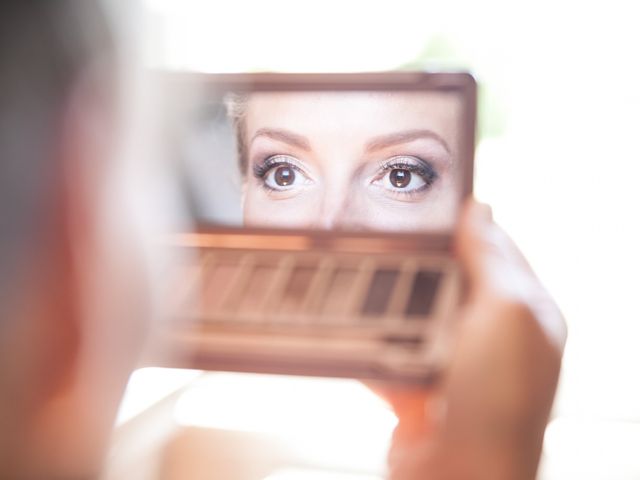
(296, 289)
(379, 293)
(256, 289)
(216, 283)
(423, 292)
(338, 291)
(183, 289)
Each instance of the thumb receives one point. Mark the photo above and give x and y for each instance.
(502, 378)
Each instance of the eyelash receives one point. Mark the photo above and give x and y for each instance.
(414, 165)
(260, 170)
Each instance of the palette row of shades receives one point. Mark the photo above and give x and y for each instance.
(234, 286)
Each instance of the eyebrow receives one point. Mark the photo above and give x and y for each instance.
(285, 136)
(377, 143)
(396, 138)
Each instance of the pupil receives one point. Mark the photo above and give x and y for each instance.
(284, 176)
(399, 178)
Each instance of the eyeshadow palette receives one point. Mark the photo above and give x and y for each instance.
(324, 209)
(328, 304)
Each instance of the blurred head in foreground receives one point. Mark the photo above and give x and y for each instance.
(72, 290)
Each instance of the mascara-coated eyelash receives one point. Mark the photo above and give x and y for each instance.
(262, 168)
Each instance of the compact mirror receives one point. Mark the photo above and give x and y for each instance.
(324, 206)
(383, 152)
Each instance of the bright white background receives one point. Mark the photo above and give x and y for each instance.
(558, 158)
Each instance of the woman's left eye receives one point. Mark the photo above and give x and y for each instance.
(403, 178)
(405, 175)
(281, 176)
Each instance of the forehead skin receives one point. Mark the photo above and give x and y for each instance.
(355, 117)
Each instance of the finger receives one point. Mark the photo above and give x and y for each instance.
(474, 222)
(511, 315)
(485, 251)
(499, 274)
(499, 393)
(501, 381)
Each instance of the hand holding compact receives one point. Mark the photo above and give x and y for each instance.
(488, 418)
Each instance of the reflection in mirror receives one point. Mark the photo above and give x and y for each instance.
(354, 160)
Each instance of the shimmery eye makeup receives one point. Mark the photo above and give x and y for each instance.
(405, 175)
(280, 173)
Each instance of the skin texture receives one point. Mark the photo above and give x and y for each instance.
(338, 151)
(487, 418)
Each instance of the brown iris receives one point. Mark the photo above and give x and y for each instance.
(284, 176)
(399, 178)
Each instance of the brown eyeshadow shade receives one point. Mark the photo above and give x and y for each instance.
(423, 292)
(380, 290)
(296, 289)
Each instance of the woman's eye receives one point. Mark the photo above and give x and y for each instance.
(405, 175)
(401, 178)
(280, 173)
(284, 176)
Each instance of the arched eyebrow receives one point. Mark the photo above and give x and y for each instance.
(286, 136)
(406, 136)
